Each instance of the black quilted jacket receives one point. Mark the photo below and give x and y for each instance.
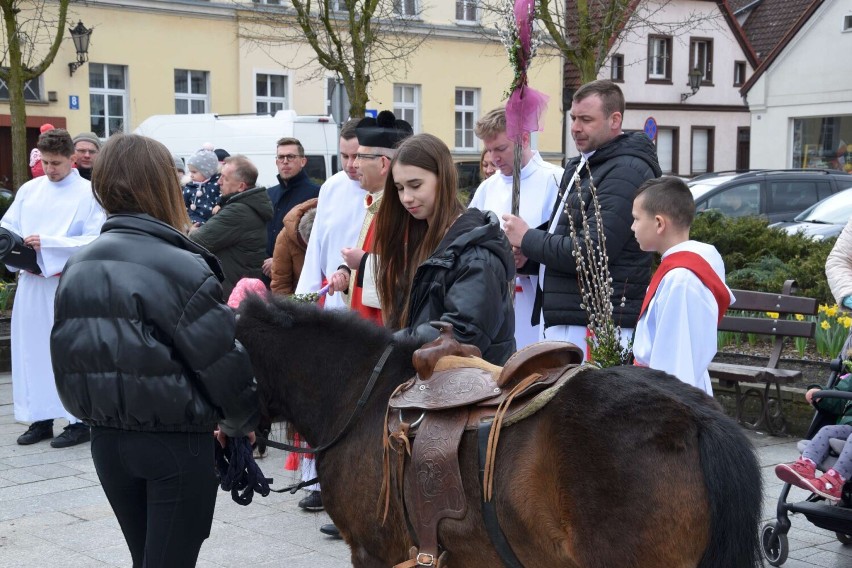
(618, 169)
(468, 282)
(142, 340)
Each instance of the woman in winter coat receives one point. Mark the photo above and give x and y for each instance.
(440, 261)
(288, 257)
(143, 351)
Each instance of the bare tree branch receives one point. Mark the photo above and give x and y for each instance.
(360, 41)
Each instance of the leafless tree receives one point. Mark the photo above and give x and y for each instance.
(31, 35)
(358, 40)
(586, 31)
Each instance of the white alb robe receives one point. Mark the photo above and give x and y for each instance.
(539, 188)
(677, 332)
(339, 217)
(66, 217)
(337, 224)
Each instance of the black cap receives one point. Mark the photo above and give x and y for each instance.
(384, 131)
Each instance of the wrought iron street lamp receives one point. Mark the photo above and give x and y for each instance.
(80, 34)
(695, 77)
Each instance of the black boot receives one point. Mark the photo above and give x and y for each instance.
(72, 435)
(330, 530)
(38, 431)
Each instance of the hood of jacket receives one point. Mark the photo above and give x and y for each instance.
(255, 198)
(144, 223)
(474, 228)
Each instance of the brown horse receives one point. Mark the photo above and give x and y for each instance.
(625, 467)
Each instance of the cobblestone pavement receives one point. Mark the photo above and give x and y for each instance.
(53, 514)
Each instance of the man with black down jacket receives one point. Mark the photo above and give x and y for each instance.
(619, 164)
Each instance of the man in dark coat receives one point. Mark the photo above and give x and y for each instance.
(619, 164)
(294, 187)
(237, 233)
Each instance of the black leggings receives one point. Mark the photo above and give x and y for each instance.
(162, 488)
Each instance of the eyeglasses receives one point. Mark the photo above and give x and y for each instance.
(287, 158)
(369, 156)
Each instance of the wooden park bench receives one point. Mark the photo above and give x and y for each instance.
(765, 407)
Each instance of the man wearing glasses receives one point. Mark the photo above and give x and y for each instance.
(86, 147)
(294, 187)
(377, 140)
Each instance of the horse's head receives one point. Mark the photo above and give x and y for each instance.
(304, 357)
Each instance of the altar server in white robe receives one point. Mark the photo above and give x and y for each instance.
(56, 214)
(340, 214)
(539, 188)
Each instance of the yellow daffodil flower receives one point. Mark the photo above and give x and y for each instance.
(846, 321)
(823, 307)
(773, 315)
(832, 311)
(825, 325)
(799, 317)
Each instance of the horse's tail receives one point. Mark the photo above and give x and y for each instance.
(734, 489)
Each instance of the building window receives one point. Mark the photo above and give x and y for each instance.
(847, 23)
(823, 142)
(667, 143)
(270, 93)
(406, 104)
(701, 58)
(191, 92)
(702, 151)
(659, 58)
(32, 89)
(276, 2)
(466, 11)
(407, 8)
(617, 68)
(467, 102)
(739, 73)
(107, 98)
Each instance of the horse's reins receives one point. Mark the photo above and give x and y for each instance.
(356, 412)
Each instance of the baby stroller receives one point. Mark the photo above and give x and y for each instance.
(818, 511)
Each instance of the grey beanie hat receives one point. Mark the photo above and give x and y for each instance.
(179, 164)
(88, 137)
(205, 161)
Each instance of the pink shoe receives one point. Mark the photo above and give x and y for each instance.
(830, 485)
(797, 473)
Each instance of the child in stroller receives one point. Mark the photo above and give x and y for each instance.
(802, 473)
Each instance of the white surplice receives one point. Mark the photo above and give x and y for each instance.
(677, 332)
(539, 188)
(337, 224)
(66, 217)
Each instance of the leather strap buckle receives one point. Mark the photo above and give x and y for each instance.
(425, 559)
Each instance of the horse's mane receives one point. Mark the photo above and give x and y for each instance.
(281, 311)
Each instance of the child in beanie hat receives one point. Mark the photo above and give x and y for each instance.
(202, 193)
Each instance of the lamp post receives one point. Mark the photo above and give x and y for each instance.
(695, 77)
(80, 35)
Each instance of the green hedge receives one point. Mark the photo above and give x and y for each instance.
(761, 259)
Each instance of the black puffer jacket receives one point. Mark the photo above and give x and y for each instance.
(142, 340)
(618, 169)
(467, 282)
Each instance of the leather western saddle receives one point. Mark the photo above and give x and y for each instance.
(454, 391)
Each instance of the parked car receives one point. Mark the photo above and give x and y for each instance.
(778, 195)
(824, 220)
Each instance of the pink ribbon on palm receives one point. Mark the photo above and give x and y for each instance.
(525, 105)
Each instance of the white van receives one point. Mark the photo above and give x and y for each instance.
(251, 135)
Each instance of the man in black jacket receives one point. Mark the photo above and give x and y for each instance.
(619, 164)
(294, 188)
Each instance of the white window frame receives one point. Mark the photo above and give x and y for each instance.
(406, 8)
(189, 96)
(656, 55)
(466, 7)
(474, 113)
(30, 95)
(400, 106)
(701, 52)
(284, 100)
(107, 92)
